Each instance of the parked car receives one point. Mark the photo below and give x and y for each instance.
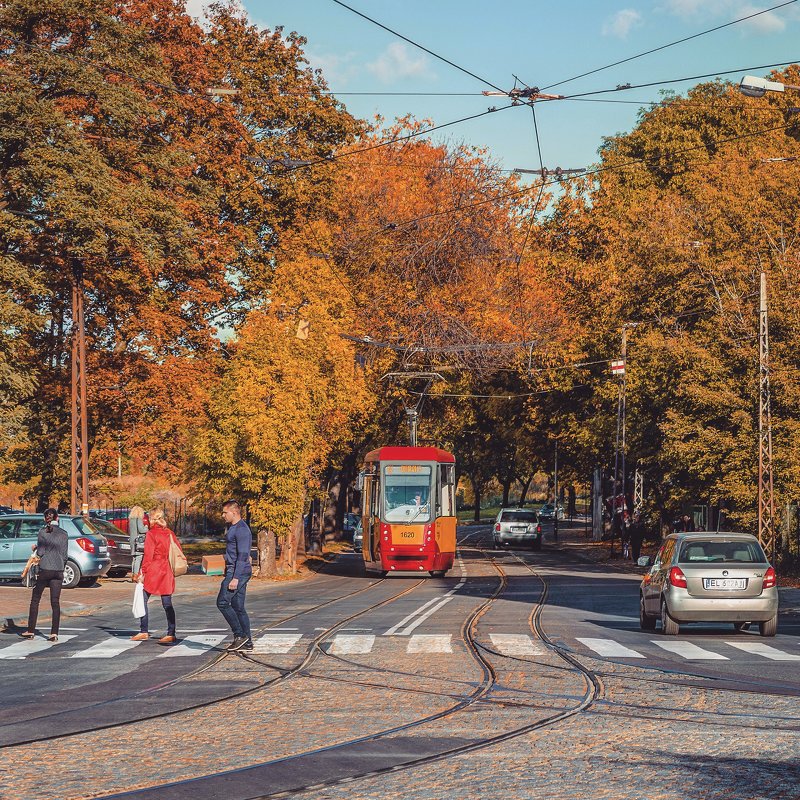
(349, 524)
(358, 538)
(548, 512)
(116, 516)
(87, 550)
(119, 547)
(518, 526)
(709, 577)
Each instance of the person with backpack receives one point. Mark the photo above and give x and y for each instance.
(51, 552)
(157, 574)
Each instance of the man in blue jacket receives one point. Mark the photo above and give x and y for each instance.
(238, 571)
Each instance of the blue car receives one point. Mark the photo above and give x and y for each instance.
(87, 551)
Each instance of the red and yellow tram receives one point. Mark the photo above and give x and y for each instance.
(408, 506)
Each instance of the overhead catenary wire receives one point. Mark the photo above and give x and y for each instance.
(671, 44)
(587, 173)
(417, 45)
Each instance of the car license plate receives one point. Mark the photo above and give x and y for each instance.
(519, 529)
(123, 546)
(102, 549)
(724, 583)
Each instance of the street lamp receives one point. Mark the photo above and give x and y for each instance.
(752, 86)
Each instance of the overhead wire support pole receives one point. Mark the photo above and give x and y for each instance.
(79, 473)
(766, 499)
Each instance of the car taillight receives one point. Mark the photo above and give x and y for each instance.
(497, 527)
(677, 578)
(770, 579)
(538, 528)
(85, 544)
(111, 543)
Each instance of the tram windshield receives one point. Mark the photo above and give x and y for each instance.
(406, 492)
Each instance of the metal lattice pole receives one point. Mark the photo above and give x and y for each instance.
(766, 499)
(79, 478)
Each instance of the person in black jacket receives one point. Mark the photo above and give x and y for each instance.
(51, 551)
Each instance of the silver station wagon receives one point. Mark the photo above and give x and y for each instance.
(709, 577)
(518, 526)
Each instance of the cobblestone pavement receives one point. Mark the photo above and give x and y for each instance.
(645, 736)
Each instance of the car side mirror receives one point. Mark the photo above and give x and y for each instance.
(644, 561)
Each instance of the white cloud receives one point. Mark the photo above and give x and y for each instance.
(399, 61)
(337, 69)
(764, 23)
(730, 10)
(622, 23)
(194, 8)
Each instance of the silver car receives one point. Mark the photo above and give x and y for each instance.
(518, 526)
(709, 577)
(87, 548)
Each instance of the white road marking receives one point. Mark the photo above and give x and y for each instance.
(344, 644)
(764, 650)
(411, 616)
(276, 642)
(411, 626)
(608, 647)
(107, 649)
(517, 644)
(193, 646)
(433, 643)
(20, 650)
(689, 650)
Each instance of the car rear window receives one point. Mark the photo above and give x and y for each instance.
(518, 516)
(87, 526)
(107, 528)
(710, 551)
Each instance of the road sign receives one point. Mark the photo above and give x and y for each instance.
(618, 368)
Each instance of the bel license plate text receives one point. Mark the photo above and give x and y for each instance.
(724, 583)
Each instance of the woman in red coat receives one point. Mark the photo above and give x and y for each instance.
(156, 573)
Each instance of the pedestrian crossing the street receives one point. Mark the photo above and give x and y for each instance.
(346, 644)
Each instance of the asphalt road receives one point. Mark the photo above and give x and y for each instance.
(361, 687)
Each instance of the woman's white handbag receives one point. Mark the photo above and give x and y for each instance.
(138, 600)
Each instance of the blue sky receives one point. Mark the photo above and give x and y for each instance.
(541, 42)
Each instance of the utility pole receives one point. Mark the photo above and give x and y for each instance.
(766, 500)
(555, 497)
(413, 417)
(79, 478)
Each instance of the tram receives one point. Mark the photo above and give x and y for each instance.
(409, 510)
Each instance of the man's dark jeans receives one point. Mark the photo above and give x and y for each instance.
(231, 605)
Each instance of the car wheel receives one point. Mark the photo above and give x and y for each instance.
(497, 545)
(770, 627)
(117, 573)
(741, 626)
(438, 573)
(668, 625)
(72, 575)
(83, 582)
(646, 622)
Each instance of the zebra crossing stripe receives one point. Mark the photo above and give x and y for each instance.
(608, 647)
(689, 650)
(429, 643)
(193, 646)
(30, 647)
(276, 642)
(351, 644)
(764, 650)
(517, 644)
(107, 649)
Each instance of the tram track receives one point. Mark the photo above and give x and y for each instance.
(592, 690)
(42, 720)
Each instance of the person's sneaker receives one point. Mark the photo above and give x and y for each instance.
(168, 639)
(248, 645)
(140, 637)
(237, 643)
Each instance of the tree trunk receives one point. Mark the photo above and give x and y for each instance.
(571, 507)
(476, 492)
(506, 491)
(524, 493)
(267, 567)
